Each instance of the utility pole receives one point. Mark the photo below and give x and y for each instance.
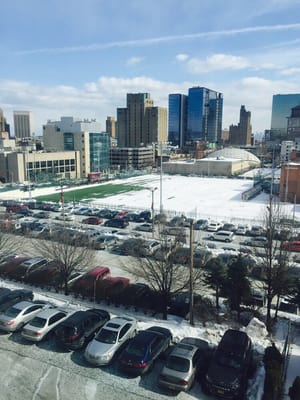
(191, 275)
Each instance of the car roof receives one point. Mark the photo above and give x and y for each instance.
(117, 322)
(23, 304)
(97, 270)
(184, 350)
(49, 312)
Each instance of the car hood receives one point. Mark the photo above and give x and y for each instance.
(223, 375)
(99, 348)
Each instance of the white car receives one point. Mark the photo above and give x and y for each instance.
(16, 316)
(214, 226)
(109, 339)
(42, 324)
(65, 216)
(242, 229)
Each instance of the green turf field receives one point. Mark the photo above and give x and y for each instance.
(90, 193)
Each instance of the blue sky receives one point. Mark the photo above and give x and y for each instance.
(80, 58)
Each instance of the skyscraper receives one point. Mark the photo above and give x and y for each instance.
(23, 124)
(140, 123)
(177, 119)
(241, 134)
(111, 126)
(204, 120)
(281, 110)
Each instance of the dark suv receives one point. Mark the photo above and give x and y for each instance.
(228, 370)
(78, 329)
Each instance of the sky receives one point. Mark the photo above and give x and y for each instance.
(74, 58)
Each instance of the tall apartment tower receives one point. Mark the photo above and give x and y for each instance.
(4, 126)
(293, 124)
(23, 124)
(204, 117)
(177, 125)
(140, 123)
(111, 126)
(240, 134)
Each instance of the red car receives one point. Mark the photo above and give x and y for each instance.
(110, 288)
(291, 246)
(92, 221)
(86, 285)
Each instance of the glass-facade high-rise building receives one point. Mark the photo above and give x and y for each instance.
(204, 118)
(99, 151)
(177, 119)
(281, 109)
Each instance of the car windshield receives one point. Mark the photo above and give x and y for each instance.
(230, 360)
(107, 336)
(12, 312)
(38, 322)
(136, 349)
(178, 364)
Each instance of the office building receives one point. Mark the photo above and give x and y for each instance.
(83, 136)
(140, 123)
(23, 124)
(281, 109)
(293, 123)
(287, 146)
(111, 127)
(204, 118)
(177, 125)
(240, 135)
(126, 158)
(4, 126)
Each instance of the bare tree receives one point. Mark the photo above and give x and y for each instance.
(10, 243)
(163, 274)
(67, 255)
(275, 261)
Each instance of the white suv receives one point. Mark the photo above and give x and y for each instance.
(214, 226)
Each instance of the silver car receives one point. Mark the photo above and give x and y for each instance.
(43, 323)
(16, 316)
(108, 340)
(183, 363)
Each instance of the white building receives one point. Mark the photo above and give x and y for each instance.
(287, 146)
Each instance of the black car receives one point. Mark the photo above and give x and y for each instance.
(116, 223)
(78, 329)
(11, 297)
(228, 370)
(141, 352)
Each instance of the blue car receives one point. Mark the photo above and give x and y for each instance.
(141, 352)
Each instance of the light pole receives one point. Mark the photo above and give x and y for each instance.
(191, 308)
(152, 209)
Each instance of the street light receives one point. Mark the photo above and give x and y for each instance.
(152, 190)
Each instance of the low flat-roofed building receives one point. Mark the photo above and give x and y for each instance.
(132, 157)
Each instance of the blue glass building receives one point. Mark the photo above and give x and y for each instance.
(99, 151)
(281, 109)
(204, 117)
(177, 124)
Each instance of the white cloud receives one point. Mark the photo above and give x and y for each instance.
(290, 71)
(216, 62)
(182, 57)
(133, 61)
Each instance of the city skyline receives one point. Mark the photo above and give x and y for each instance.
(62, 59)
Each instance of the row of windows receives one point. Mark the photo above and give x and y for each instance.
(51, 170)
(50, 163)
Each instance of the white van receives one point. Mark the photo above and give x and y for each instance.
(223, 236)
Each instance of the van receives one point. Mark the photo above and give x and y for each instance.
(223, 236)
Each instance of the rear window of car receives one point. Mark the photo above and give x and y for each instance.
(178, 364)
(38, 322)
(12, 312)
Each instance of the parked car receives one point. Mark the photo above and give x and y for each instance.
(116, 223)
(109, 339)
(228, 370)
(214, 226)
(146, 215)
(200, 224)
(229, 227)
(16, 316)
(223, 236)
(142, 351)
(65, 216)
(291, 246)
(184, 363)
(7, 299)
(42, 325)
(144, 227)
(256, 230)
(104, 242)
(92, 220)
(242, 229)
(79, 328)
(42, 214)
(259, 241)
(86, 284)
(34, 262)
(109, 289)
